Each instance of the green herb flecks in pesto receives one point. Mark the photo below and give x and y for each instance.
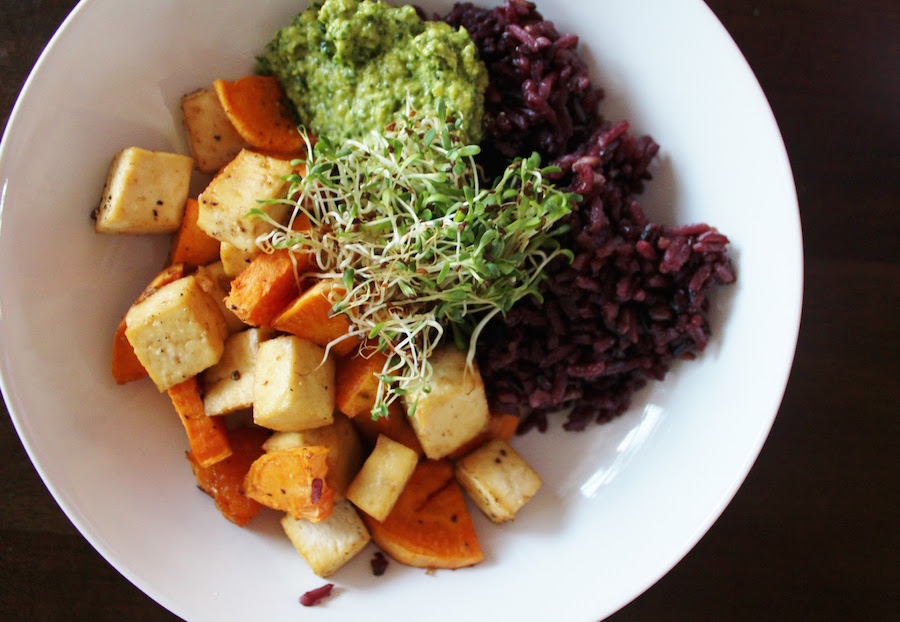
(349, 67)
(420, 246)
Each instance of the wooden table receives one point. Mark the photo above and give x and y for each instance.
(814, 533)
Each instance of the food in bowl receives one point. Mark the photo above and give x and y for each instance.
(351, 67)
(297, 280)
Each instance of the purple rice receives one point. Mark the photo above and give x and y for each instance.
(636, 297)
(540, 97)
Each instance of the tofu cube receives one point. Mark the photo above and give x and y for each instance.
(454, 410)
(230, 382)
(234, 260)
(328, 544)
(176, 332)
(249, 178)
(217, 284)
(345, 449)
(145, 192)
(498, 480)
(294, 387)
(383, 476)
(214, 141)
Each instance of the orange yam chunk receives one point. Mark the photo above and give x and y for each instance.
(207, 435)
(293, 481)
(356, 382)
(430, 525)
(258, 109)
(224, 481)
(264, 288)
(501, 426)
(125, 365)
(301, 221)
(395, 426)
(191, 245)
(310, 317)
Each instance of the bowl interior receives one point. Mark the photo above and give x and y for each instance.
(621, 503)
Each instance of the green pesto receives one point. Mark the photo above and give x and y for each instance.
(349, 66)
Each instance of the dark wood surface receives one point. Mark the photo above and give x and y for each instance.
(813, 534)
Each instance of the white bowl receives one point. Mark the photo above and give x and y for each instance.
(621, 504)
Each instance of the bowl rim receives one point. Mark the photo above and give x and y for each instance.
(19, 416)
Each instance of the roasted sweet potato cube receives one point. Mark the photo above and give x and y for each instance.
(224, 480)
(345, 450)
(191, 245)
(356, 379)
(258, 110)
(125, 364)
(310, 316)
(430, 525)
(264, 289)
(395, 426)
(292, 480)
(299, 221)
(207, 436)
